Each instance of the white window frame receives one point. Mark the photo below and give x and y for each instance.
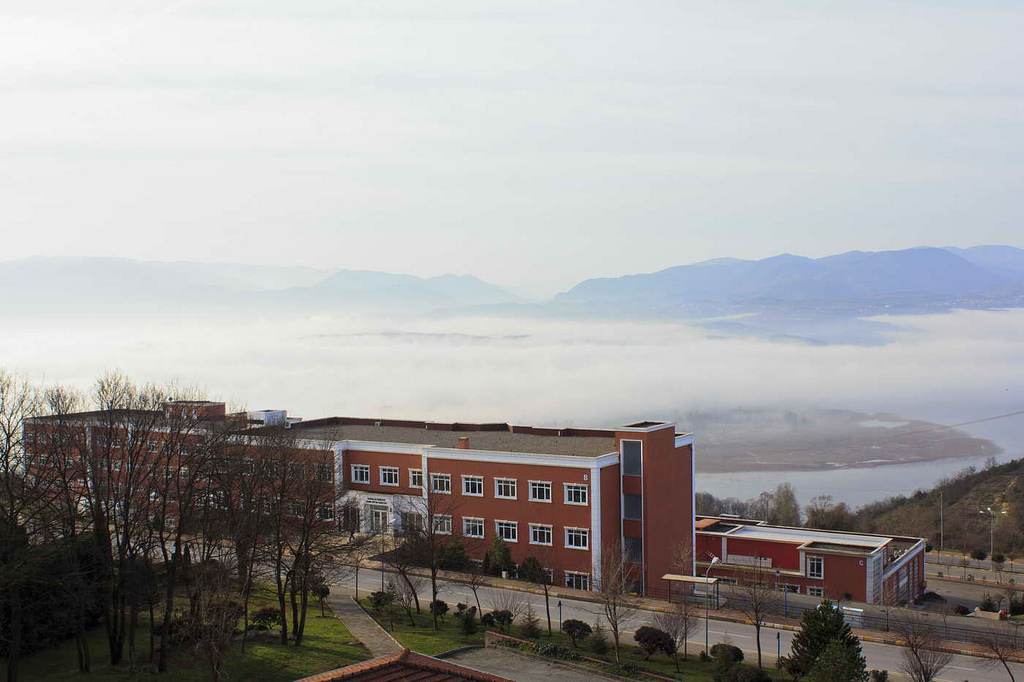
(513, 524)
(584, 531)
(498, 482)
(540, 484)
(585, 488)
(815, 591)
(434, 478)
(444, 528)
(476, 520)
(395, 471)
(542, 526)
(413, 474)
(362, 468)
(570, 576)
(810, 572)
(472, 478)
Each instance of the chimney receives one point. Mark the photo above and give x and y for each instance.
(463, 443)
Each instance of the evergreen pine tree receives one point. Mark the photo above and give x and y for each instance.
(819, 628)
(839, 663)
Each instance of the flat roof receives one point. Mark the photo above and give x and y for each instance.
(803, 535)
(498, 437)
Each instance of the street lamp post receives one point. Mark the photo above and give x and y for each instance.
(559, 615)
(707, 605)
(991, 532)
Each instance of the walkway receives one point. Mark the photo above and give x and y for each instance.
(362, 627)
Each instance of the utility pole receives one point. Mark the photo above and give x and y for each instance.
(942, 536)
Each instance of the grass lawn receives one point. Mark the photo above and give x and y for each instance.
(424, 639)
(327, 645)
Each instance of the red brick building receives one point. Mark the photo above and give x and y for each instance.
(837, 564)
(561, 495)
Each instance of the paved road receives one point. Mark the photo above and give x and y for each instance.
(880, 656)
(518, 667)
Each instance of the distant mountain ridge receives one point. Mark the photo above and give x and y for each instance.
(924, 272)
(789, 297)
(110, 284)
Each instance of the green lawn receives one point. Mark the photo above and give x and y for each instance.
(327, 645)
(424, 639)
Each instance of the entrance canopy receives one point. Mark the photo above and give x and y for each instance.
(696, 579)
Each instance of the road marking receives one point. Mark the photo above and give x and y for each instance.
(960, 667)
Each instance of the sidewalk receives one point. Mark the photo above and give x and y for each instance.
(362, 627)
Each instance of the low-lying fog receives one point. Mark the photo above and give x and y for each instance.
(944, 368)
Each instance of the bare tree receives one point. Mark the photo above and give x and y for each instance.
(211, 623)
(431, 537)
(615, 587)
(23, 496)
(759, 597)
(923, 658)
(679, 623)
(407, 597)
(474, 581)
(509, 600)
(1003, 646)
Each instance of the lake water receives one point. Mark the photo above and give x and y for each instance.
(857, 487)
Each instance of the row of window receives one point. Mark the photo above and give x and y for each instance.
(539, 533)
(473, 486)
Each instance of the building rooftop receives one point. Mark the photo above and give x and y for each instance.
(813, 538)
(498, 437)
(404, 665)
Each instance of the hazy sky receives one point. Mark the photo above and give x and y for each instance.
(529, 143)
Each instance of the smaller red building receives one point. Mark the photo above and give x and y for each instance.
(821, 563)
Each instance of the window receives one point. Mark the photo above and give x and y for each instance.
(472, 527)
(505, 488)
(325, 512)
(634, 550)
(443, 524)
(507, 530)
(577, 581)
(360, 473)
(540, 491)
(473, 485)
(441, 483)
(151, 445)
(815, 567)
(412, 522)
(540, 534)
(815, 592)
(577, 538)
(295, 508)
(324, 471)
(631, 458)
(249, 467)
(576, 493)
(389, 476)
(632, 507)
(415, 478)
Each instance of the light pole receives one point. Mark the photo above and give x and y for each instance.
(707, 605)
(785, 594)
(991, 531)
(559, 615)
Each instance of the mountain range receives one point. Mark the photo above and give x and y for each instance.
(813, 299)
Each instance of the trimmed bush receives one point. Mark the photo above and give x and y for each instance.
(727, 652)
(576, 630)
(599, 640)
(439, 608)
(652, 639)
(979, 554)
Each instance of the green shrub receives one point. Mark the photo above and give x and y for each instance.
(979, 554)
(467, 621)
(599, 640)
(531, 624)
(652, 639)
(557, 651)
(439, 608)
(727, 652)
(265, 618)
(576, 630)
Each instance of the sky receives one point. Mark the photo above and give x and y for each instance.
(531, 143)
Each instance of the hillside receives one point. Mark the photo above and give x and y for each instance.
(964, 497)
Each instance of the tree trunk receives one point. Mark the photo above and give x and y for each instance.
(14, 645)
(304, 606)
(282, 607)
(547, 607)
(165, 629)
(152, 616)
(757, 636)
